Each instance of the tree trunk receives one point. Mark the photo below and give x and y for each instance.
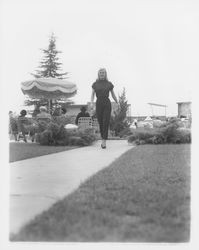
(50, 106)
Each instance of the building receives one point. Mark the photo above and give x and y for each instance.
(184, 109)
(74, 109)
(142, 118)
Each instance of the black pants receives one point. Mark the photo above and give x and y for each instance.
(103, 112)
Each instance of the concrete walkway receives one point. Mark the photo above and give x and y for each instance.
(37, 183)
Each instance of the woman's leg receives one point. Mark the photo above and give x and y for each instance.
(106, 120)
(99, 113)
(103, 111)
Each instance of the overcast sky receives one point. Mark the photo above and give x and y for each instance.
(150, 48)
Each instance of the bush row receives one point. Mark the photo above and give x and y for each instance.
(169, 133)
(56, 135)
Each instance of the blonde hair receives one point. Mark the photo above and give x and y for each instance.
(102, 69)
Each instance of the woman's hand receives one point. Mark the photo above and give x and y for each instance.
(117, 105)
(114, 96)
(92, 109)
(92, 105)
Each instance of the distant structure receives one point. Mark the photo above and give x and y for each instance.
(158, 105)
(73, 109)
(184, 109)
(114, 108)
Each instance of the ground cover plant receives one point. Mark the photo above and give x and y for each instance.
(21, 151)
(144, 196)
(170, 132)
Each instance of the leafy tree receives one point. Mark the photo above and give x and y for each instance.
(119, 120)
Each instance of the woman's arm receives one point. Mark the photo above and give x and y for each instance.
(92, 97)
(114, 96)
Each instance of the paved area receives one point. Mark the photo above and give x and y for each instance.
(37, 183)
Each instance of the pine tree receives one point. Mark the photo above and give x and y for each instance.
(119, 120)
(49, 66)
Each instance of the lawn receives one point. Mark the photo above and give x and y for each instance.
(144, 196)
(20, 151)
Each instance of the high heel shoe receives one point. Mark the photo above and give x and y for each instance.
(103, 146)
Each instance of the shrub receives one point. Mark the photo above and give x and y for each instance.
(42, 125)
(182, 135)
(88, 139)
(158, 123)
(173, 120)
(171, 133)
(156, 139)
(132, 138)
(63, 120)
(175, 133)
(144, 135)
(88, 136)
(45, 138)
(53, 134)
(77, 141)
(54, 128)
(89, 131)
(125, 132)
(57, 135)
(118, 121)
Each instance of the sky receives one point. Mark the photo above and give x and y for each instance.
(150, 48)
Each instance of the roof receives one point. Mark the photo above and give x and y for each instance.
(183, 102)
(77, 105)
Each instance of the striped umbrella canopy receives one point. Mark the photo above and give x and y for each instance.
(49, 88)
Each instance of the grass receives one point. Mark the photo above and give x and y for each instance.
(21, 151)
(144, 196)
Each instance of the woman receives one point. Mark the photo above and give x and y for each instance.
(101, 88)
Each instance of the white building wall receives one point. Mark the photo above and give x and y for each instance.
(184, 108)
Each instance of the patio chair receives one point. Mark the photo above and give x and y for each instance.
(85, 122)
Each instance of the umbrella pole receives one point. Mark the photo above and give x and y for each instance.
(50, 106)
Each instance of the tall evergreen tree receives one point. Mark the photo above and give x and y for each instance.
(119, 120)
(49, 66)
